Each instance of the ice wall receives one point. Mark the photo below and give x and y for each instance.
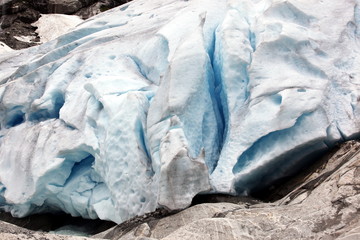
(148, 104)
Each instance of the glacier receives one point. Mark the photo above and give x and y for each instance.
(150, 103)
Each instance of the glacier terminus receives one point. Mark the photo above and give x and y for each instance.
(151, 103)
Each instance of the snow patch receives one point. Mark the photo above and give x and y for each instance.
(51, 26)
(5, 48)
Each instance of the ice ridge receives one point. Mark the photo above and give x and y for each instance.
(148, 104)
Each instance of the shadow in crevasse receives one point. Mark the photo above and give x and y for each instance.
(58, 223)
(285, 185)
(273, 189)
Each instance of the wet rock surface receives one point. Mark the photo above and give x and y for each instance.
(17, 16)
(323, 204)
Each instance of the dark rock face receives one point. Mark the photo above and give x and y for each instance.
(16, 16)
(15, 20)
(11, 7)
(28, 16)
(71, 6)
(60, 6)
(98, 6)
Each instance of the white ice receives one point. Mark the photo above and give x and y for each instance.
(5, 48)
(150, 103)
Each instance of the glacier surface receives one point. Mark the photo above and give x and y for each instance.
(150, 103)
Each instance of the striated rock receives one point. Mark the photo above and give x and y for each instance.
(324, 205)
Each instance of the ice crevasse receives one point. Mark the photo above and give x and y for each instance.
(150, 103)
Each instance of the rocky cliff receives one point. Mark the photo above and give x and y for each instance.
(17, 16)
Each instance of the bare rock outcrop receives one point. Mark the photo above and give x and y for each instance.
(17, 16)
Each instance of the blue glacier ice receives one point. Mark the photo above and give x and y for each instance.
(150, 103)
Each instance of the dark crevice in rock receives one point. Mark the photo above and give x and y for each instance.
(149, 218)
(225, 213)
(297, 185)
(52, 222)
(216, 198)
